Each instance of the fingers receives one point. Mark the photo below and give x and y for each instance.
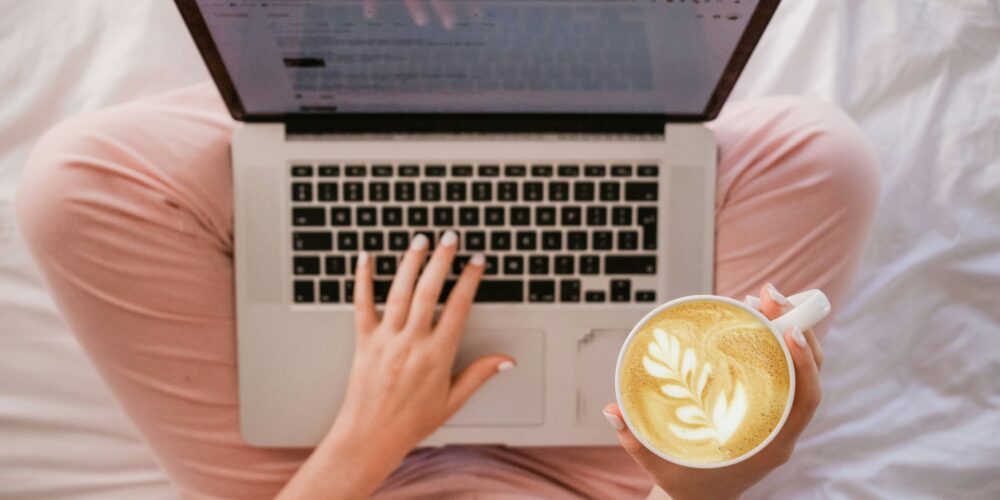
(474, 376)
(425, 297)
(451, 325)
(817, 349)
(445, 12)
(365, 318)
(397, 304)
(642, 456)
(369, 9)
(773, 303)
(807, 387)
(417, 12)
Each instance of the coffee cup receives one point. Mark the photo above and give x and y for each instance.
(705, 381)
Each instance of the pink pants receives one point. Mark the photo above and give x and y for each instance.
(128, 212)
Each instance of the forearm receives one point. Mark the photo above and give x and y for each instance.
(657, 493)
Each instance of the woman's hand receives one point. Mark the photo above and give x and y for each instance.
(401, 387)
(730, 482)
(444, 9)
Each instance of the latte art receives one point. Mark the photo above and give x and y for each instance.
(704, 381)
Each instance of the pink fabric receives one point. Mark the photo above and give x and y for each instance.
(128, 212)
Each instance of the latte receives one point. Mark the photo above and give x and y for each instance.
(704, 381)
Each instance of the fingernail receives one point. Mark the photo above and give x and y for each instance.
(798, 337)
(616, 423)
(753, 302)
(419, 242)
(776, 295)
(478, 259)
(449, 238)
(362, 258)
(506, 365)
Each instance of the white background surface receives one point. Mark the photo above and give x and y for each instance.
(912, 382)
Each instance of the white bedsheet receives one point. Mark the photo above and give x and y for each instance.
(912, 383)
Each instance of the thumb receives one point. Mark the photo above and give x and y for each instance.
(470, 379)
(642, 456)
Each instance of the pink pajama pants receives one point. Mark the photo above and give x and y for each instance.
(128, 213)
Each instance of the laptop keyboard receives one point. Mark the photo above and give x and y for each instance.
(551, 233)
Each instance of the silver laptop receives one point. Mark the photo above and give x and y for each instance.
(561, 138)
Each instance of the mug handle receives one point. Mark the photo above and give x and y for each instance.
(810, 308)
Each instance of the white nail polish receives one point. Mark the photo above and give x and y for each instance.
(753, 302)
(478, 259)
(616, 423)
(506, 365)
(362, 258)
(776, 295)
(449, 239)
(419, 242)
(798, 337)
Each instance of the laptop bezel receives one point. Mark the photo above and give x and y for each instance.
(474, 122)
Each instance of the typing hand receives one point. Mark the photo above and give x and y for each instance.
(447, 11)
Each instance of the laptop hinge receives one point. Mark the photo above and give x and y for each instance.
(488, 124)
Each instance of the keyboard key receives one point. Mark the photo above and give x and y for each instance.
(500, 240)
(336, 266)
(347, 241)
(628, 240)
(645, 296)
(590, 264)
(367, 216)
(621, 290)
(380, 290)
(541, 170)
(492, 265)
(461, 170)
(515, 171)
(595, 170)
(647, 221)
(392, 216)
(354, 191)
(482, 191)
(430, 191)
(435, 171)
(444, 216)
(602, 240)
(416, 216)
(532, 191)
(305, 292)
(302, 171)
(354, 265)
(494, 216)
(538, 264)
(564, 264)
(458, 263)
(545, 216)
(312, 241)
(385, 265)
(329, 292)
(329, 170)
(621, 216)
(340, 216)
(409, 171)
(629, 264)
(520, 216)
(305, 265)
(558, 191)
(513, 264)
(595, 296)
(583, 191)
(373, 241)
(610, 191)
(468, 216)
(569, 170)
(355, 171)
(641, 191)
(576, 240)
(302, 191)
(500, 291)
(551, 240)
(621, 171)
(308, 216)
(456, 191)
(381, 170)
(349, 291)
(399, 240)
(597, 216)
(489, 171)
(569, 291)
(327, 191)
(405, 191)
(571, 216)
(542, 291)
(526, 240)
(648, 171)
(475, 240)
(507, 191)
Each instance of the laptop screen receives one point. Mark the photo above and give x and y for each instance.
(301, 57)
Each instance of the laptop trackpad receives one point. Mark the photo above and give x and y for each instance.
(513, 397)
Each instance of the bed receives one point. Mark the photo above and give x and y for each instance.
(912, 382)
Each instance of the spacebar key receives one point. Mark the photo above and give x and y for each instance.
(500, 291)
(616, 264)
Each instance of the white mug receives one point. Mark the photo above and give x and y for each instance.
(809, 308)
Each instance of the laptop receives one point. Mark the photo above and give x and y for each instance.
(562, 138)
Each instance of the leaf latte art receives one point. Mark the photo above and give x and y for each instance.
(704, 381)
